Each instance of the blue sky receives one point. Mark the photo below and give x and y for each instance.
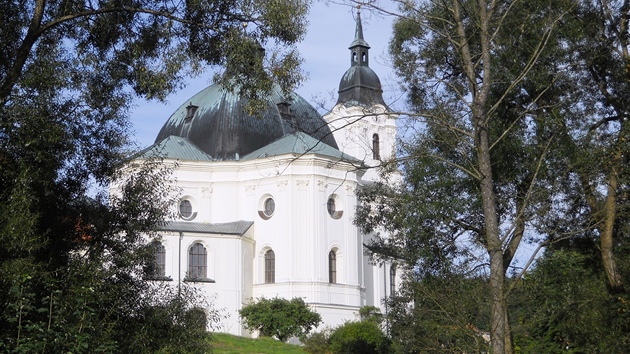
(326, 57)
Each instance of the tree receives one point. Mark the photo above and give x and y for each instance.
(445, 313)
(476, 160)
(71, 255)
(563, 305)
(280, 318)
(597, 130)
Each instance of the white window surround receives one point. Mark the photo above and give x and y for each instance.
(186, 208)
(266, 207)
(334, 206)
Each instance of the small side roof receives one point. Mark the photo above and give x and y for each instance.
(300, 143)
(174, 147)
(230, 228)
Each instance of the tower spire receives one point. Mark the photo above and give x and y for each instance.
(359, 47)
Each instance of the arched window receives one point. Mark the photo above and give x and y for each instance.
(270, 267)
(159, 261)
(392, 280)
(332, 267)
(376, 147)
(197, 262)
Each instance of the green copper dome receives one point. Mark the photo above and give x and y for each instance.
(215, 120)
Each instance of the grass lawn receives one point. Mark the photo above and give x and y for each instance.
(223, 343)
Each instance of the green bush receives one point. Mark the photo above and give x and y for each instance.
(279, 317)
(363, 337)
(318, 342)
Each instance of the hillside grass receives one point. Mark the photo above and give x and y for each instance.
(223, 343)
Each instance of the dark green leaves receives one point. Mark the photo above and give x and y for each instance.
(280, 317)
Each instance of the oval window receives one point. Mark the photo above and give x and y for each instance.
(269, 207)
(185, 209)
(334, 210)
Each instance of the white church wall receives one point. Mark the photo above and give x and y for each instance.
(301, 232)
(354, 127)
(228, 265)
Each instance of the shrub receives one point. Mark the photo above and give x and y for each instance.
(279, 317)
(318, 342)
(363, 337)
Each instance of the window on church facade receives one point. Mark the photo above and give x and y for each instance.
(197, 262)
(392, 279)
(270, 267)
(332, 267)
(270, 207)
(331, 207)
(267, 208)
(159, 261)
(185, 209)
(376, 147)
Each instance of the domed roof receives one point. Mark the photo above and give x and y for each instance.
(216, 121)
(360, 85)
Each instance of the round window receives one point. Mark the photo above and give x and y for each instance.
(185, 209)
(270, 207)
(332, 208)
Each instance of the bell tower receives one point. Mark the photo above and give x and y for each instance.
(362, 124)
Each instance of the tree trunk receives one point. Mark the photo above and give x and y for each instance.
(498, 309)
(508, 330)
(607, 233)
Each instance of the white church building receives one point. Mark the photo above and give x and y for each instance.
(268, 201)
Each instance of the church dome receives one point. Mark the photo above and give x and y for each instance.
(216, 121)
(360, 85)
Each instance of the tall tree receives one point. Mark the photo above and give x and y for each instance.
(597, 129)
(71, 262)
(475, 166)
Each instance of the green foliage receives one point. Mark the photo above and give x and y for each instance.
(564, 307)
(519, 132)
(447, 313)
(364, 337)
(280, 318)
(318, 342)
(371, 313)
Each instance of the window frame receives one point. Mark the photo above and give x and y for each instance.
(331, 207)
(270, 267)
(376, 146)
(157, 270)
(332, 267)
(185, 209)
(267, 207)
(392, 279)
(197, 271)
(159, 260)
